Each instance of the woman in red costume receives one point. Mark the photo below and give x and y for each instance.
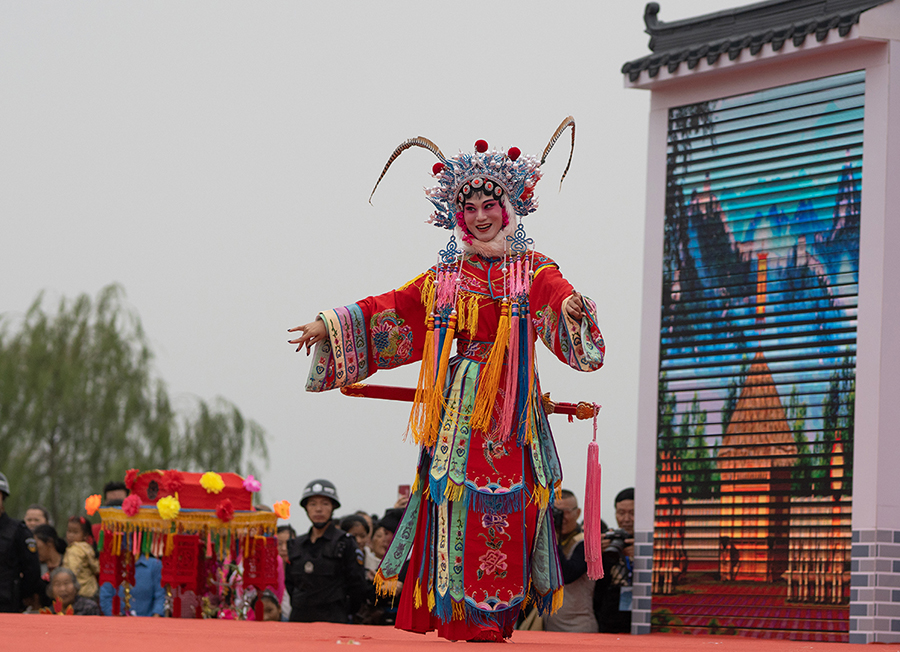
(477, 530)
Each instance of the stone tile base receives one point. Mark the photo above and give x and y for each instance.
(642, 581)
(875, 587)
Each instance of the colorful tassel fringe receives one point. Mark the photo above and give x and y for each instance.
(489, 377)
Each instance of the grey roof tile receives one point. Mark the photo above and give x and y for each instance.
(743, 28)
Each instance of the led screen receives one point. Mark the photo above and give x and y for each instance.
(757, 363)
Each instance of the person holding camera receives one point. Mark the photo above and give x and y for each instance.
(612, 597)
(577, 611)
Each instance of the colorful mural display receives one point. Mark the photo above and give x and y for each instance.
(757, 363)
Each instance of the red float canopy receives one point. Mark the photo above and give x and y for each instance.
(191, 495)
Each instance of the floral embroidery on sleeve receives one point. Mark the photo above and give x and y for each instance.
(392, 339)
(545, 321)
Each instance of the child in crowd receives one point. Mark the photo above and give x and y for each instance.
(80, 557)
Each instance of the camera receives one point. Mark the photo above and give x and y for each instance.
(615, 540)
(557, 519)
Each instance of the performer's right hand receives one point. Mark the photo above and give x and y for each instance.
(311, 334)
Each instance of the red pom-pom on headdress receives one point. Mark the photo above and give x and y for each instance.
(437, 167)
(514, 153)
(130, 476)
(172, 481)
(225, 511)
(481, 146)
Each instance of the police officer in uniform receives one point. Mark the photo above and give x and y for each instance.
(326, 578)
(20, 568)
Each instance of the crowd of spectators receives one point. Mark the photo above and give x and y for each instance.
(325, 574)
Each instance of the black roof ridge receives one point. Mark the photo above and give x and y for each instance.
(748, 27)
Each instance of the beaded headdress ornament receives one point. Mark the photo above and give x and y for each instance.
(494, 173)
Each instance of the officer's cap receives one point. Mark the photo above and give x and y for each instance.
(320, 488)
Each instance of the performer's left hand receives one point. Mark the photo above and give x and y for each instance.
(311, 333)
(573, 306)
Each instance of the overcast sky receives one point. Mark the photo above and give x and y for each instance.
(215, 159)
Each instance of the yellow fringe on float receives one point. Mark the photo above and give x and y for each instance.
(149, 520)
(454, 492)
(459, 611)
(418, 415)
(385, 586)
(149, 532)
(489, 377)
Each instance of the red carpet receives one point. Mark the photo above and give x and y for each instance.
(100, 634)
(748, 609)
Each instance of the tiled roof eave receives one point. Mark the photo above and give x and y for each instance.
(796, 33)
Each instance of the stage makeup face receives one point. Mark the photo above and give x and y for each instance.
(484, 217)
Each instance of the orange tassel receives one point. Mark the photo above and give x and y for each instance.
(557, 600)
(419, 412)
(489, 378)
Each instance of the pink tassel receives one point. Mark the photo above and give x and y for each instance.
(593, 543)
(526, 288)
(505, 423)
(209, 550)
(512, 361)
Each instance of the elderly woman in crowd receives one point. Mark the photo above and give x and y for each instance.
(64, 588)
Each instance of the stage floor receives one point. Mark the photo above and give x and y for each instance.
(104, 634)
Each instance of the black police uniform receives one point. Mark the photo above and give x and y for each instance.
(20, 568)
(326, 579)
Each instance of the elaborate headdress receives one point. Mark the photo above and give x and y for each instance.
(491, 172)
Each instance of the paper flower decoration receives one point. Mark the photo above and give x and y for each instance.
(212, 482)
(92, 504)
(130, 476)
(282, 509)
(172, 481)
(168, 507)
(252, 484)
(225, 511)
(131, 505)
